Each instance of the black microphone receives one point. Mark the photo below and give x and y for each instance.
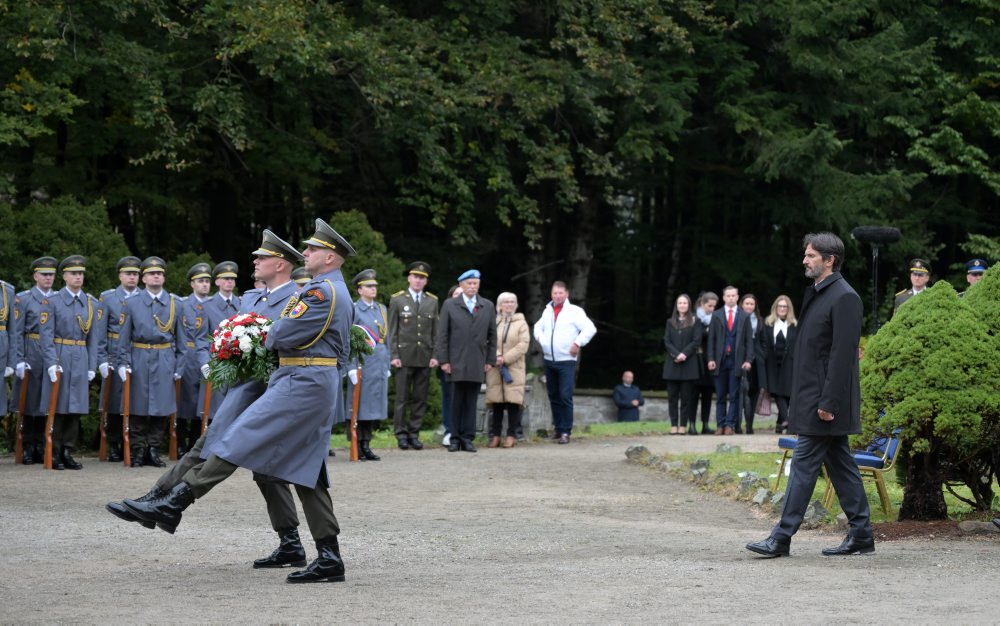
(876, 234)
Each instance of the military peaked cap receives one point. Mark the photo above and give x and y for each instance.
(365, 277)
(200, 270)
(153, 264)
(273, 245)
(326, 237)
(73, 263)
(44, 265)
(419, 268)
(128, 264)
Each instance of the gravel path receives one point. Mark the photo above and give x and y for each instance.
(441, 537)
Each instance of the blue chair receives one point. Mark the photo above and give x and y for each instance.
(873, 463)
(787, 445)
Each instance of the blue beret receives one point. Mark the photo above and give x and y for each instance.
(469, 274)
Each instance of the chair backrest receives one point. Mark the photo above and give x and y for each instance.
(885, 446)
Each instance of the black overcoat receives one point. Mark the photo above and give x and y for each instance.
(682, 340)
(468, 341)
(825, 360)
(777, 371)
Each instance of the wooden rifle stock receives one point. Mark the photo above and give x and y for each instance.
(126, 412)
(173, 421)
(356, 404)
(206, 407)
(102, 454)
(21, 402)
(50, 420)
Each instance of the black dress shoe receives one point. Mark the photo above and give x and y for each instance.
(404, 444)
(289, 553)
(165, 510)
(68, 461)
(467, 445)
(852, 545)
(330, 452)
(153, 457)
(327, 568)
(692, 430)
(770, 547)
(366, 452)
(29, 458)
(114, 456)
(996, 522)
(455, 445)
(415, 443)
(705, 430)
(38, 453)
(135, 456)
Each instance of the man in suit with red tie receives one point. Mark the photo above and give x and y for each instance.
(730, 349)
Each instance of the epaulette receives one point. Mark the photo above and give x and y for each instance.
(902, 292)
(399, 293)
(427, 293)
(24, 294)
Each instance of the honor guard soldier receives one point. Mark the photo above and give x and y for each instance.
(32, 311)
(150, 357)
(920, 274)
(974, 271)
(110, 318)
(374, 403)
(284, 433)
(8, 343)
(194, 362)
(224, 304)
(300, 276)
(413, 315)
(70, 345)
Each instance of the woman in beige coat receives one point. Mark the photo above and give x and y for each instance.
(505, 382)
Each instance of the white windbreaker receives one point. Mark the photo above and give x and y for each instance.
(556, 335)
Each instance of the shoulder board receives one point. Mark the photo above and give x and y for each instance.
(24, 294)
(107, 292)
(399, 293)
(902, 292)
(430, 295)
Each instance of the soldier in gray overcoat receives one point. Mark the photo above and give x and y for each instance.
(32, 311)
(149, 353)
(220, 307)
(70, 345)
(8, 347)
(374, 401)
(194, 359)
(285, 433)
(110, 318)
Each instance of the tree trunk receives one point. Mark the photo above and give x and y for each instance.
(923, 498)
(581, 248)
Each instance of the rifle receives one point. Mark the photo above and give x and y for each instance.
(206, 406)
(50, 420)
(102, 454)
(21, 402)
(356, 403)
(126, 412)
(173, 421)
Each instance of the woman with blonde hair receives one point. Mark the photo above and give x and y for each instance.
(777, 340)
(505, 382)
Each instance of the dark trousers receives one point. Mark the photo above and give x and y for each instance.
(188, 432)
(811, 454)
(445, 381)
(146, 431)
(782, 402)
(113, 431)
(559, 382)
(33, 430)
(366, 428)
(727, 387)
(703, 397)
(411, 392)
(170, 479)
(65, 431)
(464, 395)
(513, 419)
(681, 392)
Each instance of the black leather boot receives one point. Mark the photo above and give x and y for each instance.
(29, 455)
(114, 455)
(38, 453)
(288, 553)
(327, 568)
(154, 458)
(165, 510)
(57, 458)
(136, 456)
(366, 451)
(750, 424)
(118, 509)
(68, 461)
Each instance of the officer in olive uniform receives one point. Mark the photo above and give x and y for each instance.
(32, 311)
(284, 434)
(109, 319)
(194, 362)
(70, 348)
(150, 355)
(413, 315)
(374, 401)
(920, 273)
(8, 346)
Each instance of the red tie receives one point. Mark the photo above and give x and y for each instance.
(730, 319)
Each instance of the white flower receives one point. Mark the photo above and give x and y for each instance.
(254, 331)
(245, 344)
(239, 331)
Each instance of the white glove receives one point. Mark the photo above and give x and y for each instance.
(353, 375)
(388, 373)
(8, 372)
(20, 368)
(91, 375)
(123, 372)
(105, 369)
(205, 370)
(52, 372)
(177, 376)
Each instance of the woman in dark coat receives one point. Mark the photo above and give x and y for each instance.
(777, 339)
(748, 302)
(682, 339)
(704, 386)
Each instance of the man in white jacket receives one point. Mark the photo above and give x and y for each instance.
(562, 330)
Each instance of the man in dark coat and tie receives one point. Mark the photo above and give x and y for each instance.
(730, 353)
(466, 349)
(826, 402)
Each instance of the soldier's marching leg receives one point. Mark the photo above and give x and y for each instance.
(192, 458)
(328, 565)
(284, 521)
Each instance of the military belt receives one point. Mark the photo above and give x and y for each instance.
(70, 342)
(189, 344)
(306, 361)
(3, 328)
(152, 346)
(112, 335)
(33, 336)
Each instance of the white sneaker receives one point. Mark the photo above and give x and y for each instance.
(446, 440)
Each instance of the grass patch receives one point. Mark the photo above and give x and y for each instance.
(619, 429)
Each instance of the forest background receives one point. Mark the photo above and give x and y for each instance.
(636, 149)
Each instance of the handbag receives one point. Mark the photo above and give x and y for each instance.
(763, 407)
(505, 375)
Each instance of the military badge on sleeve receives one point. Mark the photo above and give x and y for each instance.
(299, 310)
(316, 293)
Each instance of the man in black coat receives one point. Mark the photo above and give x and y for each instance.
(466, 349)
(730, 354)
(826, 402)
